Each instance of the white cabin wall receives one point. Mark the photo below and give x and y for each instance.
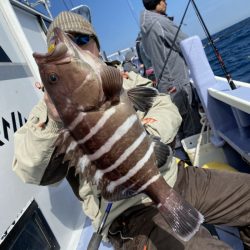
(32, 30)
(58, 204)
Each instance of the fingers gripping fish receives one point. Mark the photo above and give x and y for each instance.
(108, 135)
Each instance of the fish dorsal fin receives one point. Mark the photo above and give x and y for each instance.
(142, 97)
(66, 145)
(111, 83)
(162, 151)
(62, 142)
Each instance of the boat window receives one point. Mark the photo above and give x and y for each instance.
(47, 23)
(8, 45)
(3, 56)
(31, 231)
(33, 28)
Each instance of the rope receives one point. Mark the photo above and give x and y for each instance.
(204, 122)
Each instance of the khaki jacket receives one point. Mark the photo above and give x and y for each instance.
(34, 149)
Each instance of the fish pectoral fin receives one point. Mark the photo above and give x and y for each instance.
(111, 83)
(162, 151)
(142, 97)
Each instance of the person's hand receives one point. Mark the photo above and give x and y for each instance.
(52, 112)
(124, 74)
(39, 85)
(171, 90)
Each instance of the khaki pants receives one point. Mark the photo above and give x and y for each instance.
(222, 197)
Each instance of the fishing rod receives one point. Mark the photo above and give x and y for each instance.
(222, 64)
(96, 238)
(173, 43)
(133, 12)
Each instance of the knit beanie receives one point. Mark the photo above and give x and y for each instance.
(150, 4)
(72, 22)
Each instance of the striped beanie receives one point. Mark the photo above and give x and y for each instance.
(72, 22)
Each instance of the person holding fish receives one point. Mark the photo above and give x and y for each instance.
(108, 136)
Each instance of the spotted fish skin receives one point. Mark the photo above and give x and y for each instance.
(107, 133)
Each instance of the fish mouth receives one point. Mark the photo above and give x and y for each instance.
(56, 40)
(59, 36)
(57, 48)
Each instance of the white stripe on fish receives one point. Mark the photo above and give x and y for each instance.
(71, 146)
(122, 130)
(66, 134)
(149, 182)
(107, 114)
(113, 184)
(78, 119)
(86, 57)
(99, 173)
(159, 205)
(83, 162)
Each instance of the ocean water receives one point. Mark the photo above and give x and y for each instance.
(233, 44)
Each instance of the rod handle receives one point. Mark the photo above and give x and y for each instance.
(95, 241)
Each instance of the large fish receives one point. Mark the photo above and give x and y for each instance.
(98, 115)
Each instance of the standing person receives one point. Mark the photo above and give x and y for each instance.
(158, 32)
(134, 223)
(147, 66)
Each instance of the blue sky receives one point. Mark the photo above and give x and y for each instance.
(117, 21)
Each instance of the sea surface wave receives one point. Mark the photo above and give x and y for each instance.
(233, 44)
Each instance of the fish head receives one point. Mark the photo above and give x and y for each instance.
(69, 74)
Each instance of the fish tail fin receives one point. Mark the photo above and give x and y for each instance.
(182, 218)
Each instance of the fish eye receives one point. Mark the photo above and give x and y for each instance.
(53, 77)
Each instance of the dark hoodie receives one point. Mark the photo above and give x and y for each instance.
(158, 33)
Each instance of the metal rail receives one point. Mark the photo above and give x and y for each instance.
(30, 10)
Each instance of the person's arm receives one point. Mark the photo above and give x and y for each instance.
(163, 119)
(35, 160)
(34, 146)
(158, 51)
(132, 79)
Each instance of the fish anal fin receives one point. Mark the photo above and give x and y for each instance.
(162, 151)
(142, 97)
